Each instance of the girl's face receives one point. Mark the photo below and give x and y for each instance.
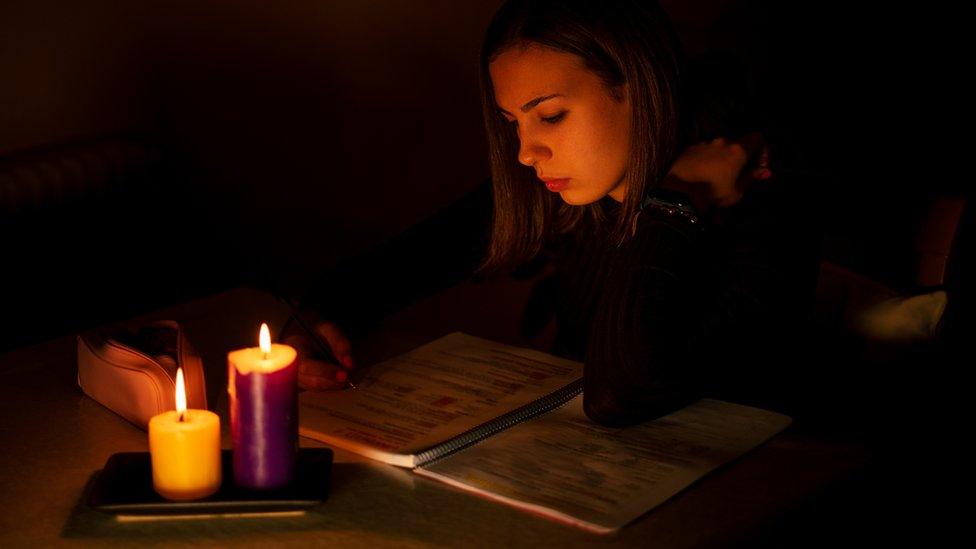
(571, 131)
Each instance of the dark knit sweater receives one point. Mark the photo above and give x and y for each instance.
(674, 314)
(681, 312)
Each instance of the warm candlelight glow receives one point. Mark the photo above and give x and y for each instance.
(264, 340)
(184, 448)
(180, 393)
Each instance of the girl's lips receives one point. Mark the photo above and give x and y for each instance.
(556, 185)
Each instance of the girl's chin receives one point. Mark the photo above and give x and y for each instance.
(574, 197)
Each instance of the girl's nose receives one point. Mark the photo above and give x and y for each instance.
(531, 152)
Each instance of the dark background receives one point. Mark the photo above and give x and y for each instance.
(288, 136)
(156, 151)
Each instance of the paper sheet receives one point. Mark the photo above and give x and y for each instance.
(429, 395)
(566, 467)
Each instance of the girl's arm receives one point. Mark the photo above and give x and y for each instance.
(440, 252)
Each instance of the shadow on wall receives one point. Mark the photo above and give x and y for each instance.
(99, 230)
(334, 123)
(318, 127)
(340, 122)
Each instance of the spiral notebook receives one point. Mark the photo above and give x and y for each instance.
(507, 424)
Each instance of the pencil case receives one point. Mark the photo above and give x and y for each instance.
(133, 371)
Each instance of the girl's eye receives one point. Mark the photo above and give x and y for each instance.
(554, 119)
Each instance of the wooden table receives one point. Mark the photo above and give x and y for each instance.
(55, 439)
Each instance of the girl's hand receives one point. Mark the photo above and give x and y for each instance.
(716, 174)
(316, 372)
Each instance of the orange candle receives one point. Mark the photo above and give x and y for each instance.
(184, 446)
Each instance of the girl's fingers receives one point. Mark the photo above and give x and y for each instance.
(331, 335)
(755, 144)
(762, 171)
(337, 341)
(317, 375)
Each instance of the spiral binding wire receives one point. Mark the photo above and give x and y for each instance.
(537, 407)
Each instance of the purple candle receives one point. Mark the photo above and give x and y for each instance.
(263, 387)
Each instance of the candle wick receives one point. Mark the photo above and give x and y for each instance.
(181, 415)
(266, 356)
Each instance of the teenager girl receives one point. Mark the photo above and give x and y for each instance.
(672, 284)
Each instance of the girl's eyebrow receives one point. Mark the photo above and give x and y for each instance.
(532, 104)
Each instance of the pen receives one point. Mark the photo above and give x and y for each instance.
(321, 345)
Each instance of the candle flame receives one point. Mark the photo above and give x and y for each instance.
(180, 393)
(265, 339)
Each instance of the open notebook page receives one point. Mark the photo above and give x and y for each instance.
(565, 467)
(430, 395)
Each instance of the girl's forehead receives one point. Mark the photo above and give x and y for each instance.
(521, 74)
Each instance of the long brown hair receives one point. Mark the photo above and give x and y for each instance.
(624, 42)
